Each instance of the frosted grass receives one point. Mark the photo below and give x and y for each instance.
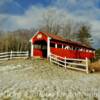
(40, 80)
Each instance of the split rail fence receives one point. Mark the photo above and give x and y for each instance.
(13, 54)
(76, 64)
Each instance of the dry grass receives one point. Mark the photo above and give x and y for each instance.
(95, 66)
(41, 80)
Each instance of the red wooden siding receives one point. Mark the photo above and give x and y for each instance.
(38, 52)
(72, 53)
(44, 37)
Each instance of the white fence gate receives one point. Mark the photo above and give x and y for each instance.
(79, 64)
(14, 54)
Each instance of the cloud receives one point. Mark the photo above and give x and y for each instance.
(78, 10)
(2, 2)
(28, 20)
(32, 18)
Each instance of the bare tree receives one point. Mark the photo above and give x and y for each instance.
(69, 29)
(16, 40)
(57, 23)
(50, 22)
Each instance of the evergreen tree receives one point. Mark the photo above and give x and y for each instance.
(98, 54)
(84, 35)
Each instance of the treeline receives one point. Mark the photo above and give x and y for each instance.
(16, 41)
(19, 40)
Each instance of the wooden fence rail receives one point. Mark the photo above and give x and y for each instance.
(14, 54)
(77, 64)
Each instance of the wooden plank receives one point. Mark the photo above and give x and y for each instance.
(3, 53)
(76, 68)
(72, 59)
(57, 63)
(68, 62)
(57, 59)
(19, 51)
(3, 56)
(19, 55)
(13, 54)
(76, 64)
(69, 58)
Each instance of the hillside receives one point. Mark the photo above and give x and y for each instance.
(41, 80)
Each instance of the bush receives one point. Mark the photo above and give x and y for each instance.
(95, 66)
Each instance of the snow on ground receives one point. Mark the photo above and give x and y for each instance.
(41, 80)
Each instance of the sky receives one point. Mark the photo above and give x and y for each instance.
(20, 14)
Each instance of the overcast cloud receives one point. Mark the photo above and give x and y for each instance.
(79, 10)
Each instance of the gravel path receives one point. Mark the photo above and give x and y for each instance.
(40, 80)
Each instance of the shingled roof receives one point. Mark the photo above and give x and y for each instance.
(59, 38)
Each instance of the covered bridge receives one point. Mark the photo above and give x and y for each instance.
(42, 44)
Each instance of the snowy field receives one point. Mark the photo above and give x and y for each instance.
(41, 80)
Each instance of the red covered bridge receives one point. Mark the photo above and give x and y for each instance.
(42, 44)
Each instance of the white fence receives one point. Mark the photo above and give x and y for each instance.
(77, 64)
(14, 54)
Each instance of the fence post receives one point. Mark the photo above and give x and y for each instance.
(87, 66)
(27, 54)
(50, 57)
(65, 62)
(11, 56)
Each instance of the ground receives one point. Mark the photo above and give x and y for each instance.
(41, 80)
